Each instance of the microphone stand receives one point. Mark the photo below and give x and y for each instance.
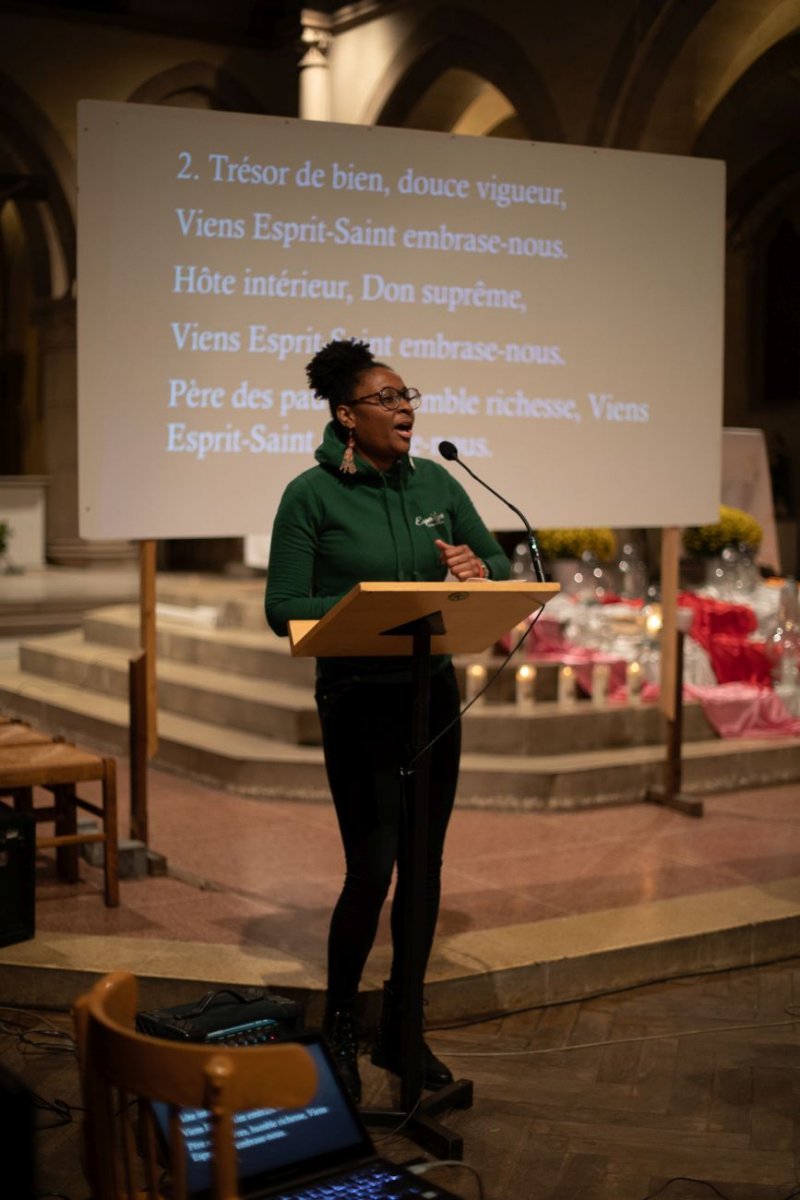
(533, 546)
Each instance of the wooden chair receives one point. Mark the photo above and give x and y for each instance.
(17, 733)
(29, 762)
(119, 1067)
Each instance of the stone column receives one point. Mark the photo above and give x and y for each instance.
(56, 325)
(315, 105)
(315, 80)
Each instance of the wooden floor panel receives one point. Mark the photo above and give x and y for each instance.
(609, 1099)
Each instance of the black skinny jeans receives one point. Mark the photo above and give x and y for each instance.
(365, 735)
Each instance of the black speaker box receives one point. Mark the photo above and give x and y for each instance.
(17, 1140)
(17, 861)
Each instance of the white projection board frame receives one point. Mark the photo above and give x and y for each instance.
(560, 308)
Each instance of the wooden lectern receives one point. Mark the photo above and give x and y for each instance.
(416, 620)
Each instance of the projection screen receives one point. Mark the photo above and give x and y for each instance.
(559, 307)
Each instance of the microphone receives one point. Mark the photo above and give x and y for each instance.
(450, 452)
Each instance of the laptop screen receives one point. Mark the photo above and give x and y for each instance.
(278, 1145)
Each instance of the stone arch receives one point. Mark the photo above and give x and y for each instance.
(757, 118)
(453, 37)
(755, 127)
(659, 46)
(30, 147)
(37, 421)
(221, 89)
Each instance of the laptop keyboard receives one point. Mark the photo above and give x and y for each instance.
(374, 1182)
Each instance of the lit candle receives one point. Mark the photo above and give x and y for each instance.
(566, 685)
(601, 674)
(653, 621)
(633, 680)
(525, 691)
(476, 678)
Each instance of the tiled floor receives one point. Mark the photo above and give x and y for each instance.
(257, 878)
(536, 907)
(269, 870)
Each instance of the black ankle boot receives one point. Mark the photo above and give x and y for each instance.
(387, 1050)
(339, 1028)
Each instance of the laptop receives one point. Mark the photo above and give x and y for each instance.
(321, 1152)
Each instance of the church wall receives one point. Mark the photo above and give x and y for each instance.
(635, 74)
(59, 62)
(569, 56)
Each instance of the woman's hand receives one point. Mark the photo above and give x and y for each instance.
(461, 561)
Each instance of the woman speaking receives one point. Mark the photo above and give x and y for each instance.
(368, 511)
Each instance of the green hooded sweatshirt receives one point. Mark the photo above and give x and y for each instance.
(333, 531)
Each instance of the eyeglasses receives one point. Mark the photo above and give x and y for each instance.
(391, 398)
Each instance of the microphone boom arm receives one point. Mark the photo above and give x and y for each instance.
(533, 545)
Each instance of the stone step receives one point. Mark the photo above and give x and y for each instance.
(252, 651)
(24, 620)
(551, 728)
(498, 725)
(211, 753)
(240, 603)
(242, 761)
(257, 653)
(49, 599)
(272, 708)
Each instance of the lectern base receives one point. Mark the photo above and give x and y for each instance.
(419, 1124)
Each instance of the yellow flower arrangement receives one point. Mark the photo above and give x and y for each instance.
(734, 527)
(572, 543)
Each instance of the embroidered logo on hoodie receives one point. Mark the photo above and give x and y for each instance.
(436, 518)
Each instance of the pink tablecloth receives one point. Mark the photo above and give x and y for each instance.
(743, 703)
(743, 710)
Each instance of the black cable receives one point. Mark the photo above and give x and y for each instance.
(686, 1179)
(37, 1037)
(387, 1137)
(409, 767)
(706, 1184)
(41, 1038)
(425, 1167)
(61, 1108)
(65, 1046)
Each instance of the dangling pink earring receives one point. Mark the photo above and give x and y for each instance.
(348, 463)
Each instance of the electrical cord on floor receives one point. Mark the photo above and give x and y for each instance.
(705, 1183)
(644, 1037)
(793, 1011)
(685, 1179)
(36, 1017)
(387, 1137)
(40, 1035)
(423, 1168)
(61, 1108)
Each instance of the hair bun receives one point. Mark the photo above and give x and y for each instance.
(335, 362)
